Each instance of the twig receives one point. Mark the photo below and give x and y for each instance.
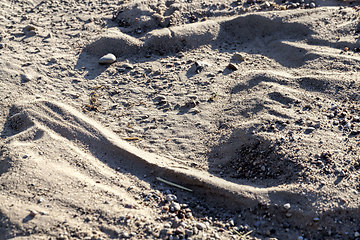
(132, 139)
(242, 236)
(173, 184)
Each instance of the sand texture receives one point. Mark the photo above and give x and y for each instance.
(179, 119)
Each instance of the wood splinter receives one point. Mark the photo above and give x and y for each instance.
(173, 184)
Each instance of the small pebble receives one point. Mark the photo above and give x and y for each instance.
(201, 65)
(232, 67)
(107, 59)
(200, 226)
(26, 78)
(267, 4)
(287, 206)
(125, 235)
(33, 213)
(309, 130)
(171, 197)
(312, 5)
(237, 57)
(29, 28)
(175, 207)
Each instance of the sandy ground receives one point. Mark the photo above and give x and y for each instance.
(251, 107)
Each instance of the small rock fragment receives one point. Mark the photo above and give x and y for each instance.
(174, 207)
(201, 65)
(267, 4)
(125, 234)
(287, 206)
(29, 30)
(232, 67)
(237, 57)
(107, 59)
(171, 197)
(309, 130)
(189, 233)
(312, 5)
(347, 125)
(200, 226)
(26, 78)
(33, 213)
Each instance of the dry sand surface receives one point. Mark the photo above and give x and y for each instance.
(251, 108)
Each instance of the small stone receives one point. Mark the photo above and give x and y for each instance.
(356, 119)
(189, 233)
(309, 130)
(200, 226)
(191, 104)
(170, 197)
(174, 207)
(232, 67)
(165, 208)
(288, 214)
(356, 234)
(312, 5)
(167, 225)
(347, 125)
(333, 107)
(33, 213)
(127, 66)
(26, 78)
(180, 230)
(267, 4)
(287, 206)
(29, 28)
(107, 59)
(164, 232)
(237, 57)
(125, 235)
(201, 65)
(316, 219)
(231, 222)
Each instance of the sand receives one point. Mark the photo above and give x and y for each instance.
(250, 110)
